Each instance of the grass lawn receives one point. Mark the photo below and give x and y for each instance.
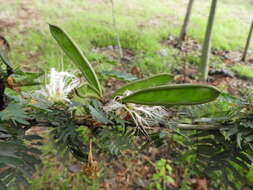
(141, 26)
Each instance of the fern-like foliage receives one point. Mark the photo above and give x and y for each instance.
(17, 163)
(216, 154)
(18, 153)
(224, 150)
(66, 138)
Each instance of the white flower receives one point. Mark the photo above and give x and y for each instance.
(59, 86)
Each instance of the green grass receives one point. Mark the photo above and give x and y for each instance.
(57, 177)
(55, 173)
(141, 25)
(243, 71)
(250, 176)
(230, 31)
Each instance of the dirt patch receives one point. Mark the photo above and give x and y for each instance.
(19, 19)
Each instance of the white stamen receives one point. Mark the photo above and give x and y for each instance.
(142, 116)
(59, 86)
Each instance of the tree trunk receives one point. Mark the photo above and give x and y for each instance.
(186, 21)
(247, 43)
(204, 63)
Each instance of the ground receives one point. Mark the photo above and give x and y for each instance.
(148, 30)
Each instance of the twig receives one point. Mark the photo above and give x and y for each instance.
(199, 127)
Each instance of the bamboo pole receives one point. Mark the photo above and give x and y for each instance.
(204, 64)
(245, 53)
(186, 21)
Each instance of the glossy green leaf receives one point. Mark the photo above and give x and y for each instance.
(98, 115)
(4, 54)
(76, 55)
(153, 81)
(181, 94)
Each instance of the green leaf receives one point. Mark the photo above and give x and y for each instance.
(2, 186)
(76, 55)
(21, 180)
(181, 94)
(13, 161)
(17, 161)
(249, 138)
(6, 173)
(86, 91)
(240, 163)
(207, 141)
(26, 78)
(153, 81)
(15, 113)
(225, 177)
(244, 158)
(33, 137)
(30, 159)
(5, 59)
(9, 179)
(97, 113)
(234, 171)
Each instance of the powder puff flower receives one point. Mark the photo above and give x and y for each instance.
(59, 86)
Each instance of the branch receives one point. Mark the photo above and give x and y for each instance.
(199, 127)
